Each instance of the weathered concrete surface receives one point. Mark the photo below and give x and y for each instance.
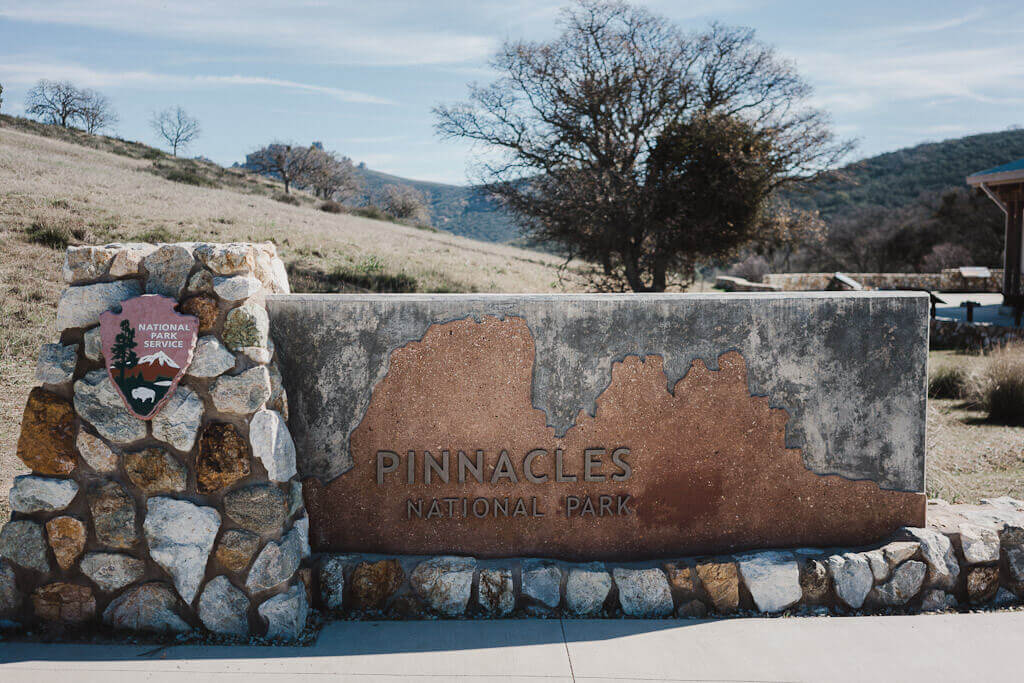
(710, 467)
(848, 367)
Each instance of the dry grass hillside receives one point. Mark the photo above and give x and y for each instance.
(58, 186)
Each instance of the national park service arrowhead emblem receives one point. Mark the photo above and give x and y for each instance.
(147, 348)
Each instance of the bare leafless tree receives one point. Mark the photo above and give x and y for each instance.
(96, 112)
(55, 102)
(1, 95)
(404, 202)
(332, 176)
(639, 148)
(176, 128)
(291, 164)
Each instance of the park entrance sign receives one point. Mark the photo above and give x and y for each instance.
(147, 347)
(605, 427)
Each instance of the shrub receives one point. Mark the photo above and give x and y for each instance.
(752, 269)
(331, 206)
(57, 230)
(152, 153)
(371, 211)
(947, 381)
(188, 177)
(999, 384)
(286, 199)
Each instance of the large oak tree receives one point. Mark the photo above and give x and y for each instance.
(639, 148)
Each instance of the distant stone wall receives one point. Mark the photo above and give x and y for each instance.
(193, 519)
(949, 280)
(969, 555)
(959, 334)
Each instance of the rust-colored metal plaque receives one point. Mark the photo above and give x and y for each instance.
(451, 456)
(147, 348)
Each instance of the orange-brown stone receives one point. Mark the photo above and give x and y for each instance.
(223, 458)
(47, 442)
(236, 549)
(67, 538)
(683, 582)
(707, 468)
(154, 470)
(721, 582)
(374, 582)
(204, 308)
(66, 603)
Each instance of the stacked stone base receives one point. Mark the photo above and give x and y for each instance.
(970, 556)
(193, 520)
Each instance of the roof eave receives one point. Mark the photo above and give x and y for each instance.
(1003, 178)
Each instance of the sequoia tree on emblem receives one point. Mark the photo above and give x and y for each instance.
(147, 347)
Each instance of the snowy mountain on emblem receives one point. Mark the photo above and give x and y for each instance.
(158, 358)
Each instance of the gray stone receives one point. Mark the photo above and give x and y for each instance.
(444, 583)
(96, 454)
(177, 423)
(937, 601)
(276, 563)
(211, 359)
(261, 508)
(22, 543)
(241, 394)
(113, 514)
(10, 596)
(87, 263)
(129, 258)
(223, 608)
(272, 444)
(773, 579)
(542, 582)
(278, 396)
(586, 589)
(643, 592)
(256, 354)
(495, 592)
(112, 571)
(943, 569)
(332, 580)
(905, 583)
(1015, 563)
(227, 259)
(81, 306)
(99, 404)
(236, 288)
(150, 607)
(980, 544)
(301, 529)
(898, 552)
(167, 270)
(280, 276)
(180, 536)
(56, 364)
(295, 502)
(814, 581)
(247, 325)
(1004, 598)
(879, 567)
(201, 282)
(41, 494)
(852, 577)
(345, 342)
(286, 614)
(92, 344)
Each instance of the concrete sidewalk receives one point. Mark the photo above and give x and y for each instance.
(954, 647)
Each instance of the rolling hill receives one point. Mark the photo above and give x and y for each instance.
(891, 180)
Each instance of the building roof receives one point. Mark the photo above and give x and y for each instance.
(1012, 172)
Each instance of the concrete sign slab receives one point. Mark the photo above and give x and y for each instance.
(605, 426)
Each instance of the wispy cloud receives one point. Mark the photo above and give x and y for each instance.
(379, 33)
(29, 72)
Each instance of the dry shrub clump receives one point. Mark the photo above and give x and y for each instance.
(946, 380)
(57, 227)
(331, 206)
(998, 384)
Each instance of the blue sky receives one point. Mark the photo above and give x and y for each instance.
(363, 76)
